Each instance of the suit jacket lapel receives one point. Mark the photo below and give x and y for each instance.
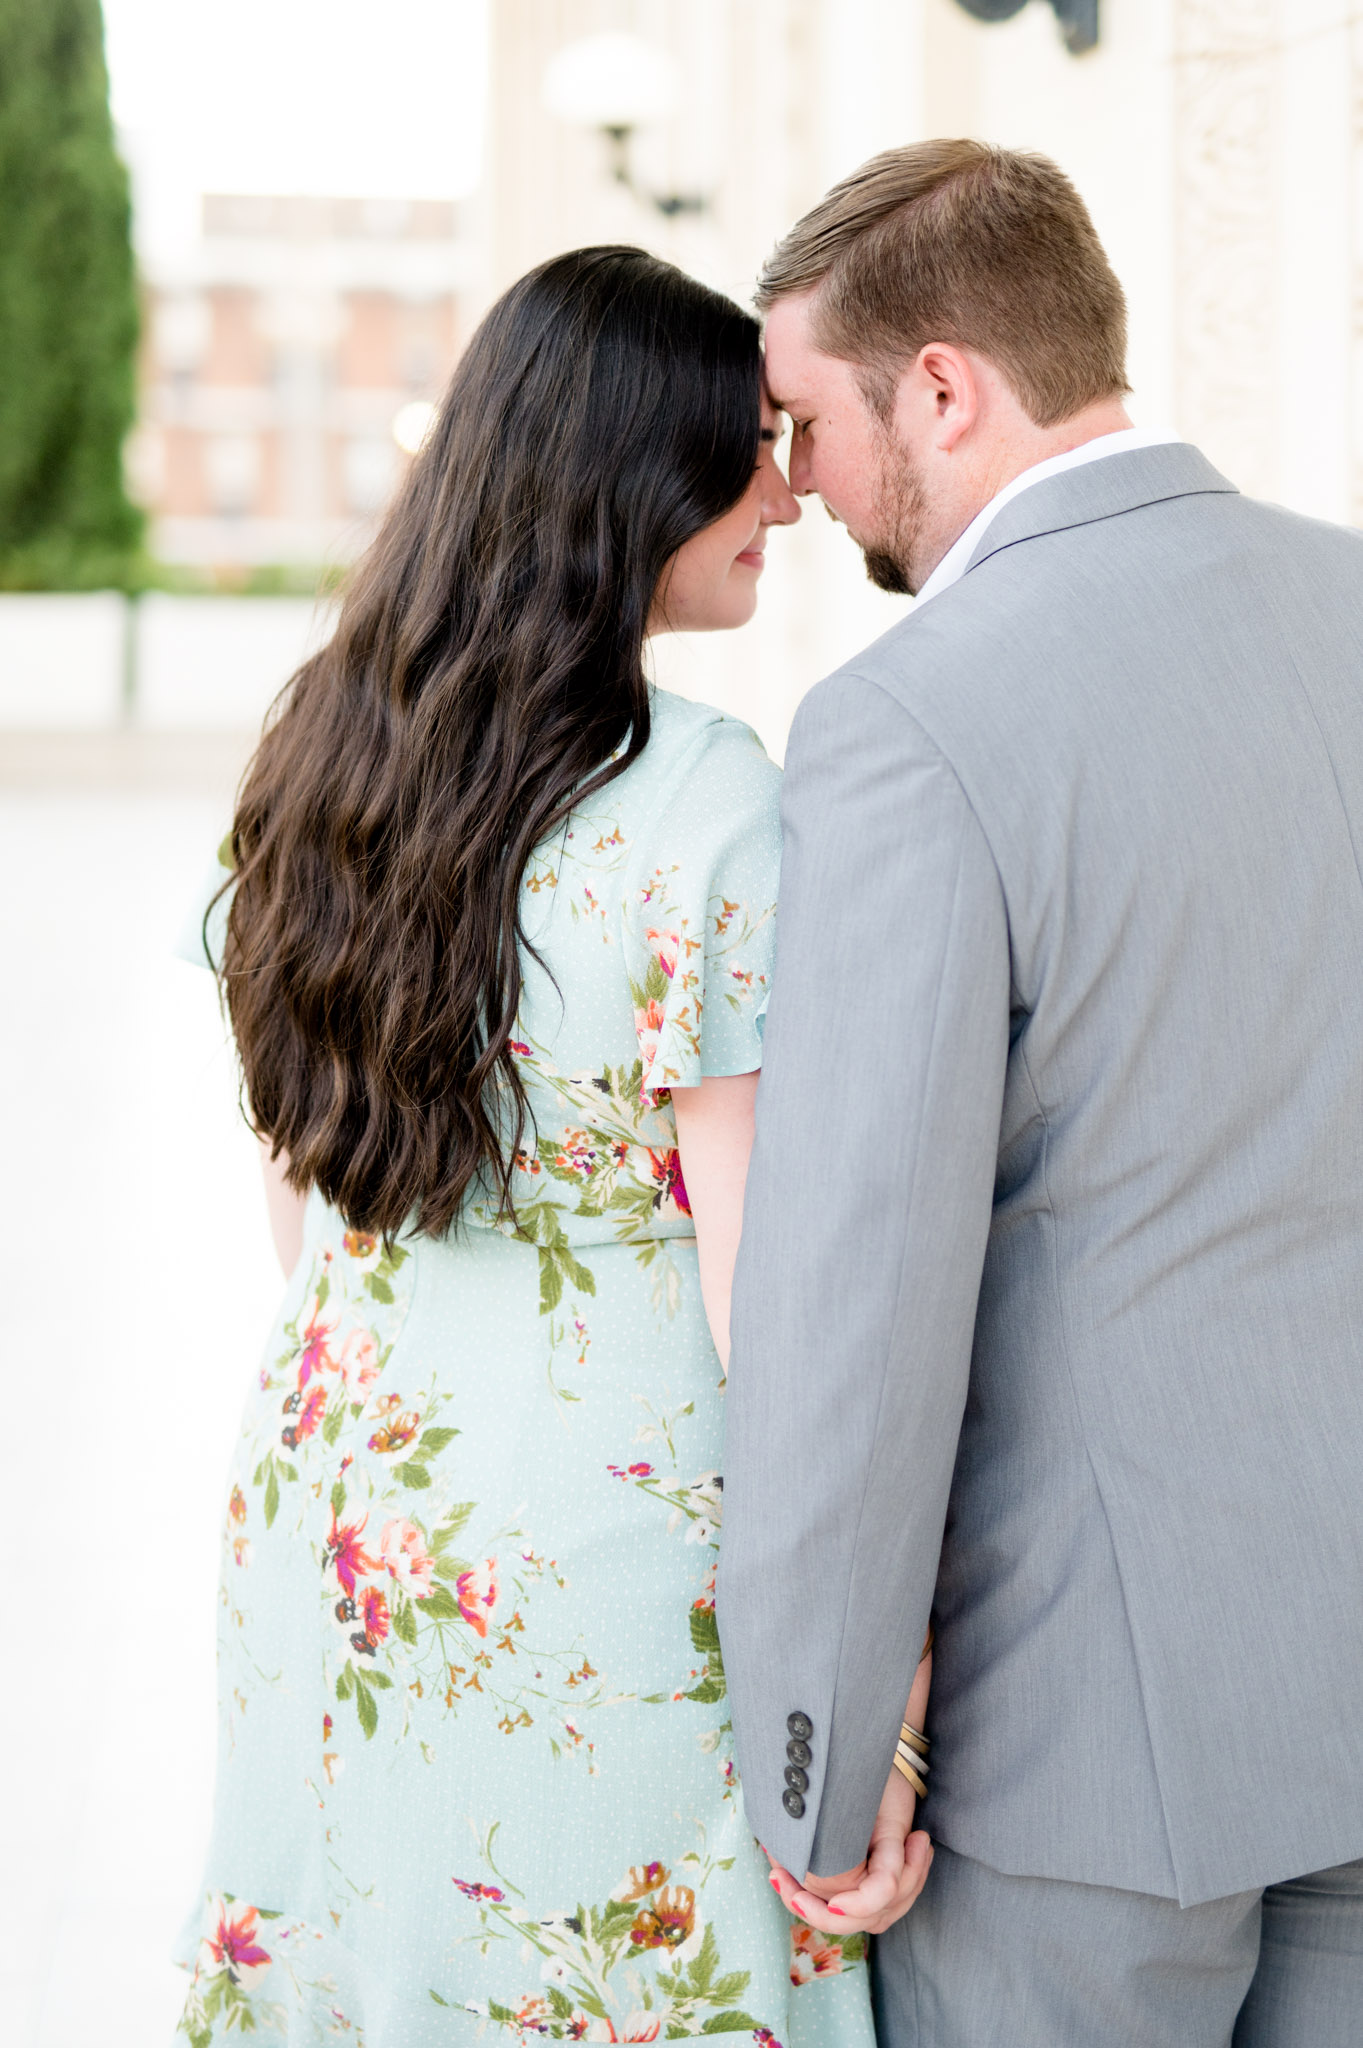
(1101, 490)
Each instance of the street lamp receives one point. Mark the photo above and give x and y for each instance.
(1078, 19)
(615, 84)
(412, 423)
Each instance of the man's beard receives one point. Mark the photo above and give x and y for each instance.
(887, 574)
(902, 503)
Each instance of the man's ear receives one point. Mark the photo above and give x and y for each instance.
(939, 397)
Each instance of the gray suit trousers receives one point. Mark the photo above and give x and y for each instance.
(990, 1961)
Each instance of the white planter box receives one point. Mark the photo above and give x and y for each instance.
(217, 663)
(61, 661)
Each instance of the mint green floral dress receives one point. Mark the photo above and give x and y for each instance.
(476, 1777)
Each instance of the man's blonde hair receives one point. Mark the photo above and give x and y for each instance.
(989, 249)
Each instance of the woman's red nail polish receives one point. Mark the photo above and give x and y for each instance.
(774, 1879)
(838, 1910)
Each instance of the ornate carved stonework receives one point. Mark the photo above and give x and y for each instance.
(1226, 185)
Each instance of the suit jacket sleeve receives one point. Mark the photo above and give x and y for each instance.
(867, 1215)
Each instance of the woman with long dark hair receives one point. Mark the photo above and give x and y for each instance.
(496, 941)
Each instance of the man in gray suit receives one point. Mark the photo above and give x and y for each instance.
(1049, 1311)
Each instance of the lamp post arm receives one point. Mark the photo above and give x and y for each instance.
(669, 204)
(1078, 19)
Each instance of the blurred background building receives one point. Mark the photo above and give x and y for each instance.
(286, 365)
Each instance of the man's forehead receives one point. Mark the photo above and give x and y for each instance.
(802, 384)
(793, 363)
(787, 325)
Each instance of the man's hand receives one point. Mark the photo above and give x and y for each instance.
(879, 1891)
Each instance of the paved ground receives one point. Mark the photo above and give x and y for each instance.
(141, 1285)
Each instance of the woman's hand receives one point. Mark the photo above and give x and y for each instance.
(880, 1891)
(871, 1898)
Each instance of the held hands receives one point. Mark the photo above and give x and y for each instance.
(879, 1891)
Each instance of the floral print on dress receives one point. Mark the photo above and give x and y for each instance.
(410, 1615)
(242, 1986)
(691, 957)
(813, 1954)
(641, 1965)
(698, 1508)
(337, 1345)
(617, 1165)
(584, 863)
(416, 1624)
(471, 1530)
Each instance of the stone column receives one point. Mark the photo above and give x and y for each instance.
(1227, 144)
(1268, 323)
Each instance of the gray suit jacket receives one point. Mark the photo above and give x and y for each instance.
(1049, 1310)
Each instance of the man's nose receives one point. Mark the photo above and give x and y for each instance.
(799, 468)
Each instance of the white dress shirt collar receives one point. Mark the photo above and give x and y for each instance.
(956, 560)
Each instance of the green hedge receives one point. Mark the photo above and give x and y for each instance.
(68, 307)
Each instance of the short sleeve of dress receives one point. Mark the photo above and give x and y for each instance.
(201, 935)
(699, 913)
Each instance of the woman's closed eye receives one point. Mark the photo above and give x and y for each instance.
(768, 437)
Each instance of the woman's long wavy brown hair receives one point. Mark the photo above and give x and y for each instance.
(485, 677)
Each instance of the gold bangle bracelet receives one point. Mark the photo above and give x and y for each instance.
(911, 1757)
(907, 1771)
(915, 1739)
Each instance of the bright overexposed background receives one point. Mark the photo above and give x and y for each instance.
(142, 1287)
(310, 96)
(1219, 147)
(145, 1280)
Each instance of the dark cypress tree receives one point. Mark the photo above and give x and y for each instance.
(68, 306)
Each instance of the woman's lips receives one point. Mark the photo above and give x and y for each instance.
(752, 556)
